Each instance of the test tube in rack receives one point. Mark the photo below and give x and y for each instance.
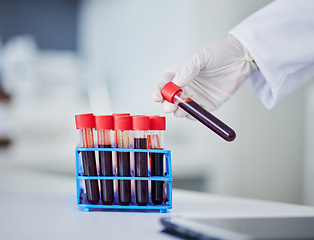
(122, 127)
(157, 128)
(140, 125)
(86, 123)
(104, 125)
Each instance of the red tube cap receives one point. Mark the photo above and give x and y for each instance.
(122, 122)
(157, 123)
(85, 121)
(140, 122)
(103, 122)
(169, 91)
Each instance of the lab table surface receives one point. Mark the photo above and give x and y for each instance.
(42, 205)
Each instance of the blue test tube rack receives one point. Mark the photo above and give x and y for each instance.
(80, 178)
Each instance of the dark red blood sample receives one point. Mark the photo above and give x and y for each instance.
(157, 169)
(105, 165)
(89, 168)
(141, 170)
(208, 119)
(124, 170)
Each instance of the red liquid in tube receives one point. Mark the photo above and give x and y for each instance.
(122, 126)
(140, 127)
(124, 170)
(157, 128)
(104, 125)
(173, 94)
(105, 165)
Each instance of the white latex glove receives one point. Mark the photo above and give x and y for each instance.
(209, 76)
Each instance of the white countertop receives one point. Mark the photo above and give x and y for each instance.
(42, 205)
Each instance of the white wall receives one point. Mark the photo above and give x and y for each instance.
(308, 145)
(131, 41)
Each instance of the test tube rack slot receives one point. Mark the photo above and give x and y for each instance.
(166, 178)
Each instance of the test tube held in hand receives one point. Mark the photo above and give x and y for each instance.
(157, 128)
(86, 123)
(174, 94)
(140, 125)
(104, 125)
(123, 126)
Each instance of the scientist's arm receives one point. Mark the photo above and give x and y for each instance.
(280, 39)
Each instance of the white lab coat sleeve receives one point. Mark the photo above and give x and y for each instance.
(280, 38)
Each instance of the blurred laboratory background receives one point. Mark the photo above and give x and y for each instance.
(59, 58)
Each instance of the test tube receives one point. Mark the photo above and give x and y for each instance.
(85, 123)
(173, 94)
(157, 128)
(140, 127)
(122, 126)
(104, 125)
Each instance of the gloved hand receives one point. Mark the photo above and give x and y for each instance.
(209, 76)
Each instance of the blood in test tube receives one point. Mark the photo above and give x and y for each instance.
(104, 125)
(140, 127)
(173, 94)
(86, 123)
(157, 128)
(122, 126)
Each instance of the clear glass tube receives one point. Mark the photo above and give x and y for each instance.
(156, 139)
(87, 138)
(122, 138)
(104, 137)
